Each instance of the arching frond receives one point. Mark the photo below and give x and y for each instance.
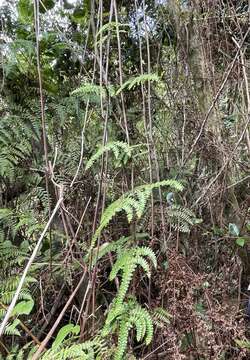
(138, 80)
(117, 147)
(132, 202)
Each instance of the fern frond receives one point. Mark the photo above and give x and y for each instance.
(115, 312)
(139, 322)
(181, 218)
(122, 339)
(133, 257)
(126, 279)
(7, 296)
(116, 246)
(127, 262)
(10, 255)
(146, 251)
(138, 80)
(11, 328)
(16, 137)
(39, 194)
(149, 325)
(85, 351)
(127, 316)
(139, 198)
(161, 317)
(110, 26)
(117, 147)
(92, 92)
(12, 282)
(144, 264)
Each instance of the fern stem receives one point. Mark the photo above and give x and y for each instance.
(82, 144)
(152, 143)
(145, 120)
(92, 280)
(120, 71)
(37, 30)
(44, 136)
(4, 347)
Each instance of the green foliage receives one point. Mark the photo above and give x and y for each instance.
(22, 219)
(119, 246)
(127, 263)
(138, 80)
(181, 218)
(16, 138)
(244, 344)
(38, 196)
(92, 92)
(133, 203)
(240, 241)
(93, 63)
(16, 354)
(10, 256)
(64, 332)
(11, 259)
(26, 11)
(23, 308)
(118, 148)
(109, 27)
(161, 317)
(11, 154)
(124, 317)
(89, 350)
(11, 328)
(109, 30)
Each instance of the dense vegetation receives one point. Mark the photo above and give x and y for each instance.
(124, 179)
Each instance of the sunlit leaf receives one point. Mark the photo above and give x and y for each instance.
(240, 241)
(23, 308)
(233, 229)
(64, 332)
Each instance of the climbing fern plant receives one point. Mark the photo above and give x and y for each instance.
(133, 203)
(127, 314)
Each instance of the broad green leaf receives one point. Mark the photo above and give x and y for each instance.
(64, 332)
(23, 308)
(240, 241)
